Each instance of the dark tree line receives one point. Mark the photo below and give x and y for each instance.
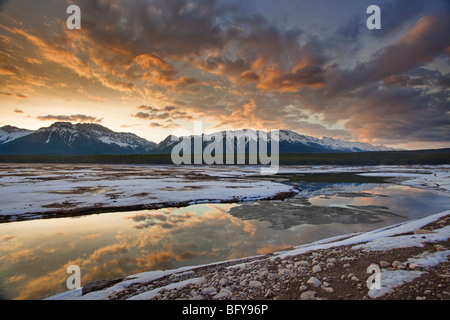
(431, 157)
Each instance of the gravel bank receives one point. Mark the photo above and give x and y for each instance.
(413, 265)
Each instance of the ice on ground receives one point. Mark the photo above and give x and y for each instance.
(32, 189)
(28, 189)
(436, 178)
(405, 241)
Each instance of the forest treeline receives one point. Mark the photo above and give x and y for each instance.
(431, 157)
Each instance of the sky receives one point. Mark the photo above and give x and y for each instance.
(154, 66)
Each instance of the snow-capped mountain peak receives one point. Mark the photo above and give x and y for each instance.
(77, 139)
(289, 142)
(65, 138)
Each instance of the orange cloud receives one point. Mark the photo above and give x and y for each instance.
(64, 52)
(109, 250)
(9, 70)
(56, 54)
(250, 116)
(15, 278)
(273, 79)
(91, 236)
(249, 76)
(151, 62)
(47, 284)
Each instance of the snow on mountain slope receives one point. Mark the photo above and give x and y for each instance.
(65, 138)
(294, 137)
(353, 146)
(292, 140)
(10, 133)
(68, 138)
(96, 133)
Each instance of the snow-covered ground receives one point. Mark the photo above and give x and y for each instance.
(435, 178)
(31, 189)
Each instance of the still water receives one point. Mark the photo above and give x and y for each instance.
(34, 255)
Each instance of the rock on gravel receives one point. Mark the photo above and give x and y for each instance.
(255, 284)
(209, 291)
(314, 281)
(285, 273)
(301, 263)
(327, 289)
(384, 264)
(398, 265)
(223, 294)
(316, 268)
(308, 295)
(202, 281)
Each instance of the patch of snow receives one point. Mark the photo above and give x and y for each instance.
(108, 140)
(429, 259)
(12, 134)
(387, 243)
(392, 279)
(160, 184)
(334, 188)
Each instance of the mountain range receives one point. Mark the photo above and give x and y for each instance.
(65, 138)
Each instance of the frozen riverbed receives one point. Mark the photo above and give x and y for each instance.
(36, 191)
(36, 253)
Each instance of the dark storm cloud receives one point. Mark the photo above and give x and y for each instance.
(400, 113)
(171, 28)
(420, 77)
(424, 42)
(3, 3)
(427, 40)
(403, 105)
(217, 60)
(180, 30)
(399, 13)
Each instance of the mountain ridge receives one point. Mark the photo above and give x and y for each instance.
(65, 138)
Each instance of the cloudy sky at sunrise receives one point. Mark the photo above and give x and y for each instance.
(152, 66)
